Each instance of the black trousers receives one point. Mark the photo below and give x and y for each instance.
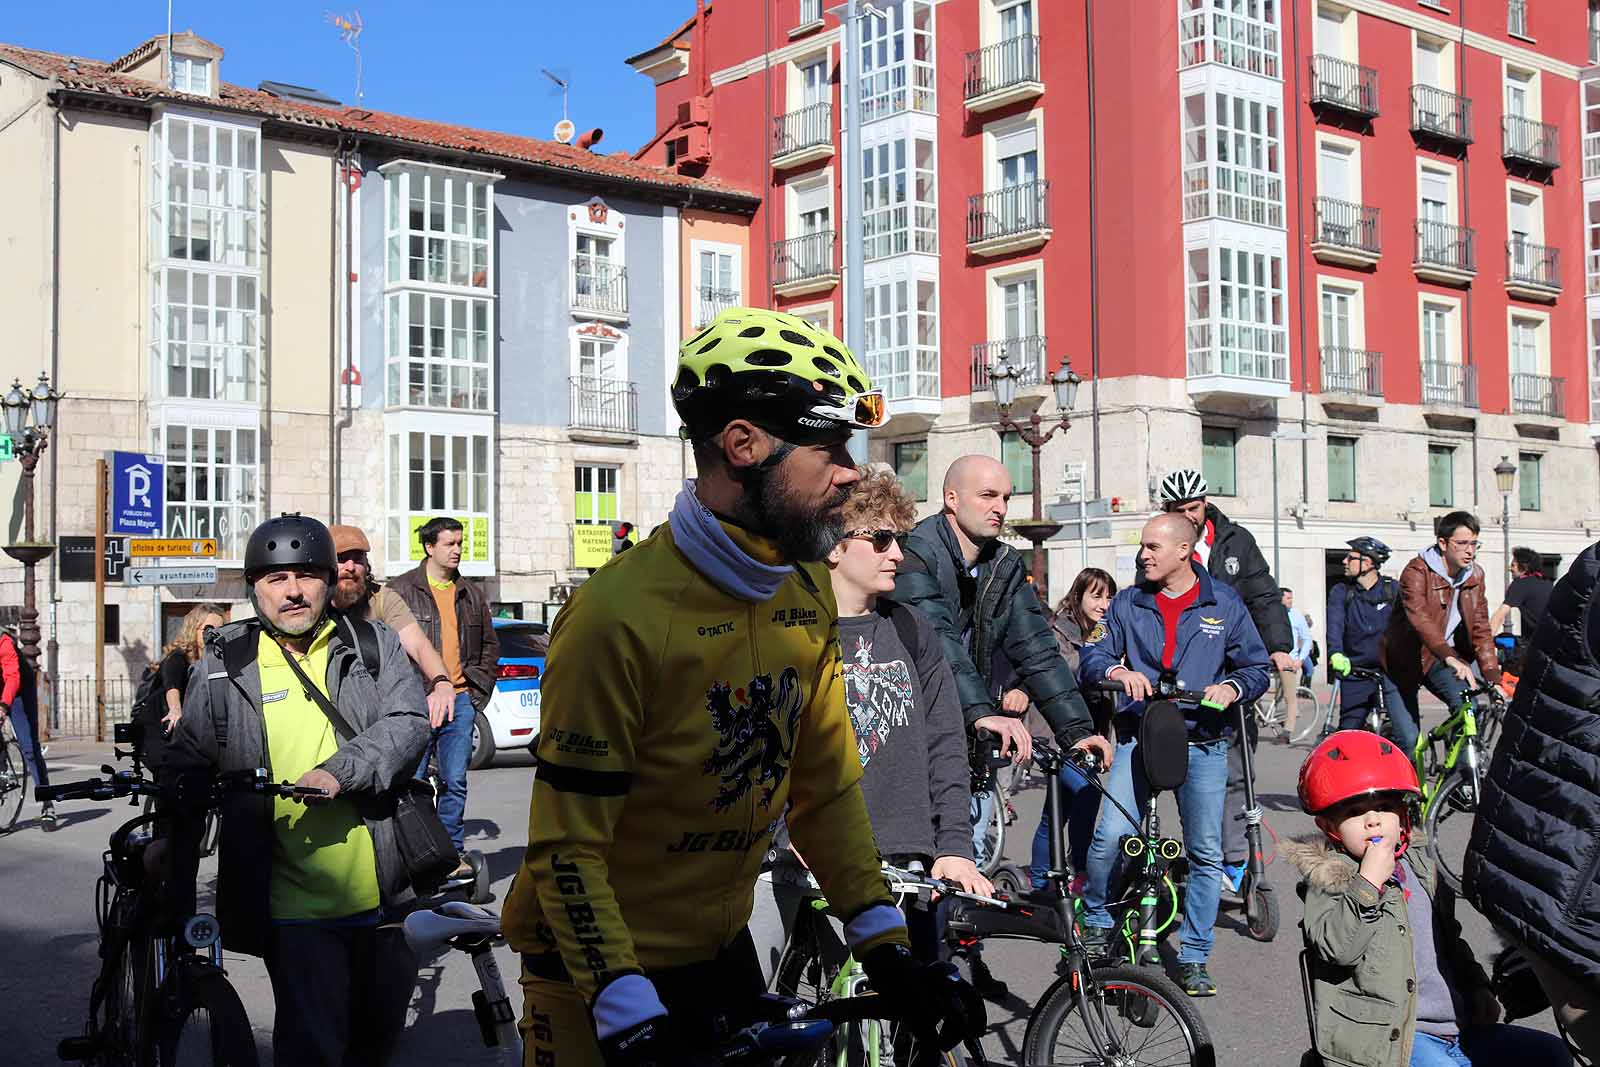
(342, 994)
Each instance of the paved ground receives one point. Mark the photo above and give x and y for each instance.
(47, 929)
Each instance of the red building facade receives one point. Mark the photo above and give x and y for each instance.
(1362, 220)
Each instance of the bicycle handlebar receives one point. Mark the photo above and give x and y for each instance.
(1159, 691)
(195, 790)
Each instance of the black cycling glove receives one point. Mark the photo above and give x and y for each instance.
(931, 998)
(652, 1043)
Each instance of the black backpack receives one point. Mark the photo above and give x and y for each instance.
(147, 696)
(237, 653)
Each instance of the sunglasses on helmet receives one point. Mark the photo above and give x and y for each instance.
(864, 411)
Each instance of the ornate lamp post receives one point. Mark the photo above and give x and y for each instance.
(1505, 477)
(28, 444)
(1065, 383)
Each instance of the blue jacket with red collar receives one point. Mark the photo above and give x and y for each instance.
(1217, 642)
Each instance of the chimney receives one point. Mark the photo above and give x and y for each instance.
(591, 138)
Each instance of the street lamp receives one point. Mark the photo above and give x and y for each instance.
(1505, 478)
(1064, 382)
(28, 445)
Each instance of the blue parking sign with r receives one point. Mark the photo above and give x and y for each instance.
(138, 494)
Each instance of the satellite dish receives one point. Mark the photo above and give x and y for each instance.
(564, 131)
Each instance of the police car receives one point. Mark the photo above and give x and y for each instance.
(511, 718)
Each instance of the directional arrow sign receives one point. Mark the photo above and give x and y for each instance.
(200, 547)
(170, 575)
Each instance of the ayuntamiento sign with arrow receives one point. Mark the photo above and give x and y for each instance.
(170, 575)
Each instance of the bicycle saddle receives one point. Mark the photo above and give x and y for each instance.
(428, 930)
(1164, 745)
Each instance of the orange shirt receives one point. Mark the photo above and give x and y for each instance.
(444, 596)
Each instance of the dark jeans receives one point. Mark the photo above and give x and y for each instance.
(1442, 683)
(342, 993)
(1358, 697)
(24, 716)
(452, 740)
(1235, 845)
(1080, 805)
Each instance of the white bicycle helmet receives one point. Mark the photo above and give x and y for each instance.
(1182, 486)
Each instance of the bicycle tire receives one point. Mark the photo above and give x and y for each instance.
(1305, 695)
(1449, 826)
(1115, 989)
(1261, 914)
(13, 782)
(208, 1026)
(1313, 723)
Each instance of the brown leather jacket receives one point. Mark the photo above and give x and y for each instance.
(1414, 641)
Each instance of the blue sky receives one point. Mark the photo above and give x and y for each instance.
(474, 63)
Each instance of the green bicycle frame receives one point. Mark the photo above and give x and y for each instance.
(1457, 733)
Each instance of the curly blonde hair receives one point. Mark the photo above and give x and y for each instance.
(188, 639)
(879, 502)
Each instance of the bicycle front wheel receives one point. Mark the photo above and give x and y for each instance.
(1307, 725)
(1450, 827)
(13, 782)
(206, 1026)
(994, 833)
(1130, 1017)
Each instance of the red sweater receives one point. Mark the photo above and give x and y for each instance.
(11, 668)
(1171, 607)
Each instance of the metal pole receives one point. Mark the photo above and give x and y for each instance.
(1277, 563)
(1083, 521)
(1037, 443)
(100, 600)
(1505, 530)
(855, 323)
(29, 628)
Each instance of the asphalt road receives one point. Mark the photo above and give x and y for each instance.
(48, 957)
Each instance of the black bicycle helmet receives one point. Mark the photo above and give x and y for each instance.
(777, 370)
(1372, 548)
(290, 540)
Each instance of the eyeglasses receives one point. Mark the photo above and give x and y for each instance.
(881, 539)
(1464, 544)
(1353, 558)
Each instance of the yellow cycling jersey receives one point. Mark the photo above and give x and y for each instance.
(677, 724)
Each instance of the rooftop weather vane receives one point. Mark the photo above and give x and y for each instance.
(349, 27)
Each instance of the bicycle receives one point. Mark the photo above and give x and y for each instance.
(162, 997)
(1451, 784)
(13, 777)
(787, 1030)
(1096, 1014)
(1269, 709)
(986, 763)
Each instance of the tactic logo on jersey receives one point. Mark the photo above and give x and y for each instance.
(756, 726)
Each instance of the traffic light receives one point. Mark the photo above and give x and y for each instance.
(620, 534)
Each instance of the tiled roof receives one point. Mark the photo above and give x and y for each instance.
(94, 76)
(671, 38)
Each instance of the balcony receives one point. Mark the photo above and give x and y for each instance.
(1445, 253)
(1533, 272)
(710, 302)
(1352, 376)
(1240, 372)
(909, 377)
(1003, 73)
(1027, 354)
(599, 288)
(1449, 385)
(1441, 115)
(1338, 83)
(804, 264)
(1524, 140)
(803, 136)
(1539, 394)
(1011, 219)
(1591, 155)
(1594, 404)
(606, 405)
(1234, 40)
(1346, 233)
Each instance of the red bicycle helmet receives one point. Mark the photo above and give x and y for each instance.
(1350, 763)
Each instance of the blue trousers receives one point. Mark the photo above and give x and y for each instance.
(1480, 1046)
(1358, 697)
(452, 740)
(982, 812)
(1200, 804)
(24, 716)
(1080, 803)
(1442, 683)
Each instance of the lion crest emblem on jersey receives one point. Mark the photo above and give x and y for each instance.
(755, 726)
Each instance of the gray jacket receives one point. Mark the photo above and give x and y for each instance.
(390, 716)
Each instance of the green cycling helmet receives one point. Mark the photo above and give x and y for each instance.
(777, 370)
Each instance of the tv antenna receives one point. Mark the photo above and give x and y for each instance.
(564, 129)
(349, 27)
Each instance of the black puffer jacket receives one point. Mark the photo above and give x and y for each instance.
(1000, 608)
(1237, 563)
(1533, 865)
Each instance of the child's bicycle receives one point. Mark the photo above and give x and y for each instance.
(1451, 760)
(1098, 1013)
(787, 1032)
